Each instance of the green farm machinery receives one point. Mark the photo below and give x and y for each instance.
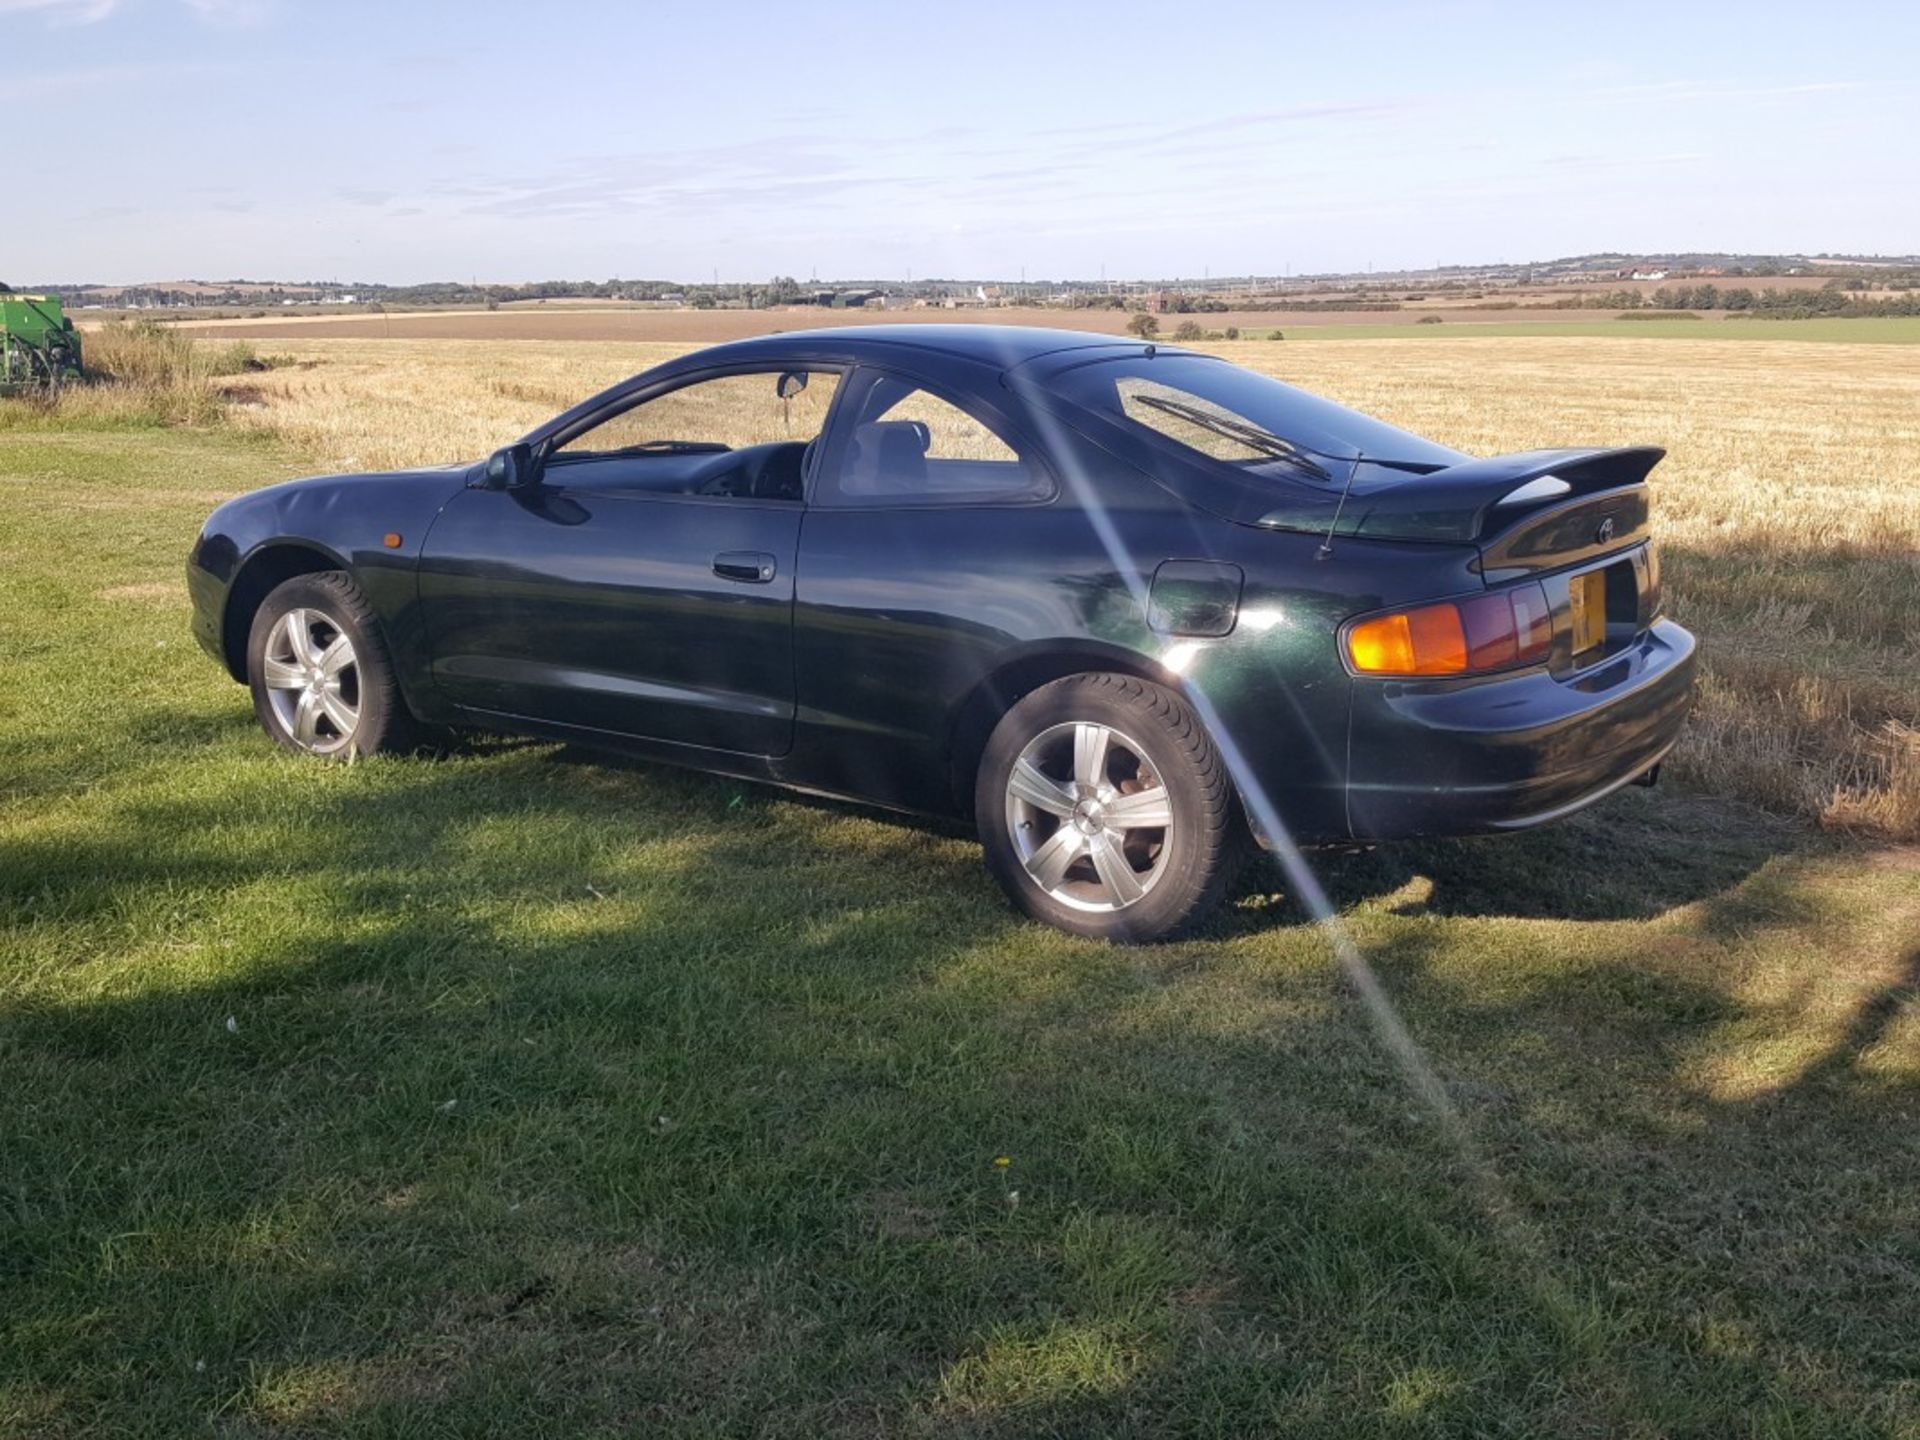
(39, 348)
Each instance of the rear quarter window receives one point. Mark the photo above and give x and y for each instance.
(1218, 410)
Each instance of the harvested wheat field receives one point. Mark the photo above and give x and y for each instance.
(1789, 512)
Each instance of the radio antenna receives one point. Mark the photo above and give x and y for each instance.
(1325, 552)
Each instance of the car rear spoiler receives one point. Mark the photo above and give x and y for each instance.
(1470, 502)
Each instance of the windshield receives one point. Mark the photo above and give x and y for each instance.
(1233, 415)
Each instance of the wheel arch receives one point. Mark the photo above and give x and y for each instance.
(1018, 676)
(266, 566)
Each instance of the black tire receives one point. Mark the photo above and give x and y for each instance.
(382, 722)
(1187, 865)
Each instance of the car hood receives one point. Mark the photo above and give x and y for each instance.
(351, 487)
(421, 473)
(336, 513)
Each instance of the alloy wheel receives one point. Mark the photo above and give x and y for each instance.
(1090, 818)
(312, 678)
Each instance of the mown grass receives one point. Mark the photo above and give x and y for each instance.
(518, 1093)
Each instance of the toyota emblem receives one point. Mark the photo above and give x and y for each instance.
(1605, 532)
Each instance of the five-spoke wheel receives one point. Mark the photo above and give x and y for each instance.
(1088, 816)
(1104, 808)
(322, 683)
(313, 680)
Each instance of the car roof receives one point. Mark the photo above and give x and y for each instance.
(1001, 346)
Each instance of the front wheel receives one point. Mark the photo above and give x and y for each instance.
(1105, 809)
(321, 679)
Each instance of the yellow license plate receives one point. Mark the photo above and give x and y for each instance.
(1587, 600)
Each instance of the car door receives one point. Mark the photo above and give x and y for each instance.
(643, 585)
(931, 550)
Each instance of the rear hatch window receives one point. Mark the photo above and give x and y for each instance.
(1208, 408)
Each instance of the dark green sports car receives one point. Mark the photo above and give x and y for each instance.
(1122, 605)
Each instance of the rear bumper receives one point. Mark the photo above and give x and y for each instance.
(1427, 759)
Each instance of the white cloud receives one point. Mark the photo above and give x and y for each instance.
(90, 12)
(62, 12)
(1690, 90)
(228, 12)
(38, 83)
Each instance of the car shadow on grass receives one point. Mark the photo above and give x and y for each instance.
(1636, 855)
(536, 1096)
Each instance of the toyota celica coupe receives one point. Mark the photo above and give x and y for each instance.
(1123, 606)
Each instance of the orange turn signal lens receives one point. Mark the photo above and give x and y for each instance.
(1496, 631)
(1382, 646)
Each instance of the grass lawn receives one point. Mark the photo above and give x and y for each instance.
(518, 1093)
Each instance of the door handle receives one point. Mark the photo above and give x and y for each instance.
(750, 567)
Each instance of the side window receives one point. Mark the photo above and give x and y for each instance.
(905, 445)
(731, 410)
(742, 435)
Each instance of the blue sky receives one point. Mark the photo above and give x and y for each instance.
(406, 141)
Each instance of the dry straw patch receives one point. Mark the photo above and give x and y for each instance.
(141, 373)
(373, 405)
(1789, 516)
(146, 592)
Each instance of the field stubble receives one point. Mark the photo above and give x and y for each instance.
(1788, 516)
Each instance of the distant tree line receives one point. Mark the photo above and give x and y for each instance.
(1843, 295)
(781, 290)
(1183, 304)
(1838, 298)
(153, 296)
(1337, 303)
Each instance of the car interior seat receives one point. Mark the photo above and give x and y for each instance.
(887, 457)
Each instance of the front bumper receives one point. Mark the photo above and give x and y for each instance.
(1506, 753)
(208, 594)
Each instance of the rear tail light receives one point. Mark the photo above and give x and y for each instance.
(1497, 631)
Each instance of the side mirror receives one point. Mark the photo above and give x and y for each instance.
(791, 383)
(511, 468)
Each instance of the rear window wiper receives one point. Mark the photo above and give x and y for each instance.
(1250, 435)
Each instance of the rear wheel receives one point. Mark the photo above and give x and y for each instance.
(321, 678)
(1105, 809)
